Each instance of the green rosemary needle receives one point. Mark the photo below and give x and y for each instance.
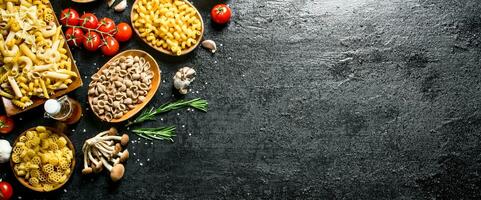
(162, 133)
(146, 115)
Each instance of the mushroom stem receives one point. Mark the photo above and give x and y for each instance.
(107, 153)
(86, 169)
(105, 146)
(102, 152)
(86, 164)
(106, 164)
(122, 157)
(101, 134)
(124, 139)
(97, 164)
(92, 159)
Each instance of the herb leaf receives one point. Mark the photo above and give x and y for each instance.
(161, 133)
(149, 114)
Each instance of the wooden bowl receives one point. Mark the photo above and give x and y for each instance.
(72, 165)
(11, 109)
(167, 51)
(153, 88)
(83, 1)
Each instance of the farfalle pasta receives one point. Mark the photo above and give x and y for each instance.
(35, 62)
(42, 158)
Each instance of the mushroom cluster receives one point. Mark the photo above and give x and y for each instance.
(105, 150)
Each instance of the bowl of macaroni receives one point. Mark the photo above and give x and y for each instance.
(42, 159)
(173, 27)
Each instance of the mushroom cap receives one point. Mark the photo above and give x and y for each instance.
(117, 172)
(125, 155)
(124, 140)
(112, 131)
(117, 148)
(87, 170)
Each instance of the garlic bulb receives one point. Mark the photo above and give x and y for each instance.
(5, 150)
(183, 78)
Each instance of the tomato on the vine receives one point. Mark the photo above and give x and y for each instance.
(92, 41)
(221, 14)
(6, 124)
(70, 17)
(106, 25)
(89, 20)
(110, 47)
(75, 36)
(124, 32)
(6, 190)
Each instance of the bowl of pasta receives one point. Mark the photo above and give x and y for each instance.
(175, 28)
(42, 159)
(124, 85)
(37, 62)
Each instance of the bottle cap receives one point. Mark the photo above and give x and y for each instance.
(52, 106)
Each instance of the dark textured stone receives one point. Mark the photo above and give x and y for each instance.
(309, 99)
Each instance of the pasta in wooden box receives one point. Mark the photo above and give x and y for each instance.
(37, 63)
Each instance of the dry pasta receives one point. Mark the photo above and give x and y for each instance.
(35, 63)
(42, 158)
(169, 24)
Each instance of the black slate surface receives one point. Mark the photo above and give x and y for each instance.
(309, 99)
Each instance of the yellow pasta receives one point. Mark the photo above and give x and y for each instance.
(42, 158)
(32, 51)
(175, 24)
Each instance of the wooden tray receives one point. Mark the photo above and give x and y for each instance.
(166, 51)
(153, 88)
(11, 109)
(72, 166)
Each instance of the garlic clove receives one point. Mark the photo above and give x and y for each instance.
(210, 45)
(110, 2)
(121, 6)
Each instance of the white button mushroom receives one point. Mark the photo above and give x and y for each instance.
(5, 150)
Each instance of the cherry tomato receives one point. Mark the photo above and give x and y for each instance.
(106, 25)
(75, 36)
(110, 47)
(6, 124)
(70, 17)
(92, 41)
(6, 190)
(124, 32)
(221, 14)
(89, 20)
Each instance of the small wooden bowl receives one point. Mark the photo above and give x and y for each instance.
(12, 110)
(167, 51)
(72, 165)
(153, 88)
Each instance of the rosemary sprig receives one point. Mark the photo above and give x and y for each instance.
(161, 133)
(146, 115)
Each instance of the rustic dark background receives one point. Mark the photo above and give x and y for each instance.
(309, 99)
